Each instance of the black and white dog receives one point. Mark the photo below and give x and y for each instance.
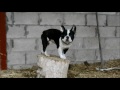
(62, 38)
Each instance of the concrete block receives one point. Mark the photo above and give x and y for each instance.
(36, 31)
(118, 31)
(112, 43)
(16, 31)
(59, 27)
(74, 18)
(24, 44)
(84, 31)
(107, 13)
(32, 57)
(21, 66)
(77, 43)
(70, 55)
(39, 44)
(16, 58)
(52, 46)
(53, 52)
(83, 55)
(107, 31)
(77, 12)
(50, 18)
(117, 13)
(108, 54)
(91, 20)
(113, 20)
(85, 12)
(26, 18)
(91, 43)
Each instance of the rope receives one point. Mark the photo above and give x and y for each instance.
(99, 40)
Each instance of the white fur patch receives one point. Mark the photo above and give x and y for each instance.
(52, 41)
(61, 29)
(45, 53)
(48, 39)
(62, 45)
(61, 54)
(68, 31)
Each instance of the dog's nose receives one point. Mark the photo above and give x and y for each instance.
(67, 37)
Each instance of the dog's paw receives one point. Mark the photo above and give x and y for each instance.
(63, 57)
(47, 54)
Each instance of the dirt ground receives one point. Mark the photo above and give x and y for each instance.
(75, 71)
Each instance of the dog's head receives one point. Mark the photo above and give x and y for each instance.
(67, 35)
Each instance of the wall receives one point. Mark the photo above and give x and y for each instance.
(24, 30)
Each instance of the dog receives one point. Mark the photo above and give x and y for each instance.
(63, 39)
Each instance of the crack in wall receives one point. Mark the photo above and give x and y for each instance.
(7, 28)
(85, 19)
(63, 16)
(12, 17)
(83, 45)
(73, 54)
(7, 20)
(37, 46)
(106, 20)
(96, 57)
(26, 32)
(39, 19)
(9, 46)
(12, 43)
(25, 58)
(115, 32)
(96, 34)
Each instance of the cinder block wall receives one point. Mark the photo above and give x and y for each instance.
(24, 30)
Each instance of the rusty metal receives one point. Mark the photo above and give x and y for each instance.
(3, 41)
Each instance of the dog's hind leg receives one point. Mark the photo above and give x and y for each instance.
(45, 43)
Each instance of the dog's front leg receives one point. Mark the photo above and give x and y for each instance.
(61, 54)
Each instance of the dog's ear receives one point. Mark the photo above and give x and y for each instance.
(73, 28)
(62, 28)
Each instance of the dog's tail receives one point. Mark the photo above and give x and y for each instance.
(44, 41)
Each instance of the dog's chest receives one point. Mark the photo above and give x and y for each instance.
(62, 45)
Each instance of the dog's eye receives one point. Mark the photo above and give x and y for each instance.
(70, 34)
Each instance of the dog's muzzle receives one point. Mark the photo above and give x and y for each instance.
(66, 42)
